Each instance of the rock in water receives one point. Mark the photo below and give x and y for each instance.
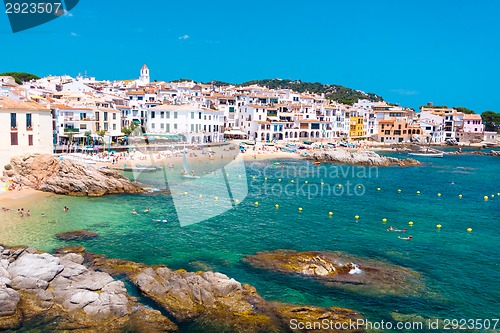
(49, 174)
(76, 235)
(336, 269)
(360, 157)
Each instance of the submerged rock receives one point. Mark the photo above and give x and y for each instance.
(76, 235)
(49, 174)
(340, 270)
(360, 157)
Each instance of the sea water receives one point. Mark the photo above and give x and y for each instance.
(460, 269)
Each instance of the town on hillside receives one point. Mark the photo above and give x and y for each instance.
(40, 115)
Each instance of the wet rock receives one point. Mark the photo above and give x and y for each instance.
(77, 235)
(340, 270)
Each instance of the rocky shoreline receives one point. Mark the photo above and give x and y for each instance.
(79, 291)
(50, 174)
(360, 157)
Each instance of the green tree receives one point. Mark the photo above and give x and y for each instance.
(21, 77)
(464, 110)
(127, 130)
(491, 120)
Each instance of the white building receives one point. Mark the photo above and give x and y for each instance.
(25, 127)
(144, 77)
(196, 124)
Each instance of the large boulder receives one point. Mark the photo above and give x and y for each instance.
(50, 174)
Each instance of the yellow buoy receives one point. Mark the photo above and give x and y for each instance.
(236, 201)
(201, 196)
(439, 194)
(253, 177)
(485, 198)
(492, 196)
(322, 183)
(498, 194)
(378, 188)
(265, 178)
(418, 192)
(410, 223)
(438, 226)
(330, 213)
(279, 180)
(216, 198)
(460, 196)
(399, 190)
(185, 193)
(292, 181)
(277, 206)
(356, 217)
(239, 176)
(256, 203)
(306, 182)
(227, 174)
(300, 209)
(340, 185)
(384, 220)
(359, 186)
(469, 229)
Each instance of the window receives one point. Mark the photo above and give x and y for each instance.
(199, 115)
(152, 115)
(140, 98)
(231, 109)
(168, 114)
(114, 127)
(192, 125)
(162, 115)
(28, 121)
(13, 121)
(152, 125)
(175, 126)
(192, 115)
(114, 115)
(175, 115)
(83, 126)
(97, 116)
(30, 139)
(105, 126)
(13, 139)
(162, 125)
(168, 127)
(105, 116)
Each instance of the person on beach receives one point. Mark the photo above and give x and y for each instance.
(405, 238)
(43, 215)
(28, 213)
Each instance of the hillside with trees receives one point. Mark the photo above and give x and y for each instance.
(21, 77)
(333, 92)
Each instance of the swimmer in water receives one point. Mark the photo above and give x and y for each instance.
(390, 228)
(133, 212)
(146, 210)
(405, 238)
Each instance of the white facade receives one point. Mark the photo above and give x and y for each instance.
(197, 125)
(24, 128)
(144, 77)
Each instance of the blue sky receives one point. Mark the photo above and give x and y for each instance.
(408, 51)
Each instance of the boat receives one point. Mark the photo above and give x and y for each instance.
(148, 166)
(186, 173)
(316, 162)
(427, 154)
(138, 169)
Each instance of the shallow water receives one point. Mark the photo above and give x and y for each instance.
(460, 269)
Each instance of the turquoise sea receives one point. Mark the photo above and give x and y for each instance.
(460, 270)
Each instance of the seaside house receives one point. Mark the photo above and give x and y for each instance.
(196, 124)
(25, 127)
(472, 129)
(72, 122)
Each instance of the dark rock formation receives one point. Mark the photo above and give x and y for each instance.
(340, 270)
(49, 174)
(76, 235)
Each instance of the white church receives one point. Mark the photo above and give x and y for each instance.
(144, 78)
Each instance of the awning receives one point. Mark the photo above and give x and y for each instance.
(234, 132)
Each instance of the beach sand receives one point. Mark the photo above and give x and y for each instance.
(23, 198)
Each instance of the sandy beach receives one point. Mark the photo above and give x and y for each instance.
(22, 198)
